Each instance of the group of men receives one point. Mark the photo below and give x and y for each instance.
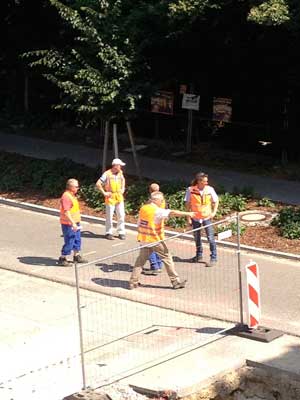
(201, 206)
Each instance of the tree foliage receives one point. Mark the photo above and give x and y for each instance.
(99, 72)
(271, 12)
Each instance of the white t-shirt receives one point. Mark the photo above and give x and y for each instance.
(210, 190)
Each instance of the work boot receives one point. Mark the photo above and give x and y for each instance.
(211, 263)
(78, 258)
(108, 236)
(196, 259)
(63, 262)
(180, 285)
(132, 285)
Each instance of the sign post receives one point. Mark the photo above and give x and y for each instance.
(190, 102)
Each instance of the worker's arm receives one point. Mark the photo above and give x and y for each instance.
(214, 208)
(177, 213)
(99, 186)
(188, 208)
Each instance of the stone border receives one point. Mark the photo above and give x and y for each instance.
(99, 220)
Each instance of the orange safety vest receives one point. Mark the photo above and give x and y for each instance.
(148, 230)
(115, 184)
(74, 211)
(200, 204)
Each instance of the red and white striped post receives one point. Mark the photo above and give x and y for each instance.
(253, 294)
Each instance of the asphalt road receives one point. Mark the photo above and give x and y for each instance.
(31, 242)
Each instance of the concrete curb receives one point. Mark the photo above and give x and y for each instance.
(99, 220)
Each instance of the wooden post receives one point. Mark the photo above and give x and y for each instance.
(130, 134)
(115, 140)
(189, 132)
(190, 127)
(105, 146)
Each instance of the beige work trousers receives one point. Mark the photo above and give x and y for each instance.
(166, 257)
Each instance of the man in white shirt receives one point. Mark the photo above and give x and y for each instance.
(203, 200)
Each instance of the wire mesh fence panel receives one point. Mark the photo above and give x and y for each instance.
(39, 347)
(128, 330)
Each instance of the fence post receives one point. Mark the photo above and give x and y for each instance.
(239, 267)
(80, 327)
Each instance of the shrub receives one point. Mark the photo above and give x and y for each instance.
(286, 216)
(136, 195)
(48, 176)
(92, 197)
(291, 231)
(288, 221)
(231, 225)
(265, 202)
(229, 202)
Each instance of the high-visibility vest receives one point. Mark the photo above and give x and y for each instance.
(148, 230)
(200, 204)
(115, 184)
(74, 211)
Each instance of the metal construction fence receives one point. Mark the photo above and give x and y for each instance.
(124, 331)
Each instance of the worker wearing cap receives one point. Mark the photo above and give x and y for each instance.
(112, 185)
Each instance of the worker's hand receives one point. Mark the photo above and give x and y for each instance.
(74, 227)
(107, 194)
(192, 214)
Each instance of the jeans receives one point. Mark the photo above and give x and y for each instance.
(209, 230)
(72, 240)
(155, 261)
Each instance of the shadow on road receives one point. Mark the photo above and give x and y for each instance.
(114, 267)
(179, 259)
(111, 282)
(42, 261)
(210, 330)
(91, 235)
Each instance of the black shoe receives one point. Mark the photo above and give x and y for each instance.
(196, 259)
(122, 237)
(211, 263)
(79, 259)
(108, 236)
(180, 285)
(63, 262)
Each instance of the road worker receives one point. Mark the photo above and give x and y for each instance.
(203, 200)
(112, 185)
(70, 224)
(151, 237)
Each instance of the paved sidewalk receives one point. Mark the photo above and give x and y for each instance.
(275, 189)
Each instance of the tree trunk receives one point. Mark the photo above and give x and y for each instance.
(130, 134)
(115, 140)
